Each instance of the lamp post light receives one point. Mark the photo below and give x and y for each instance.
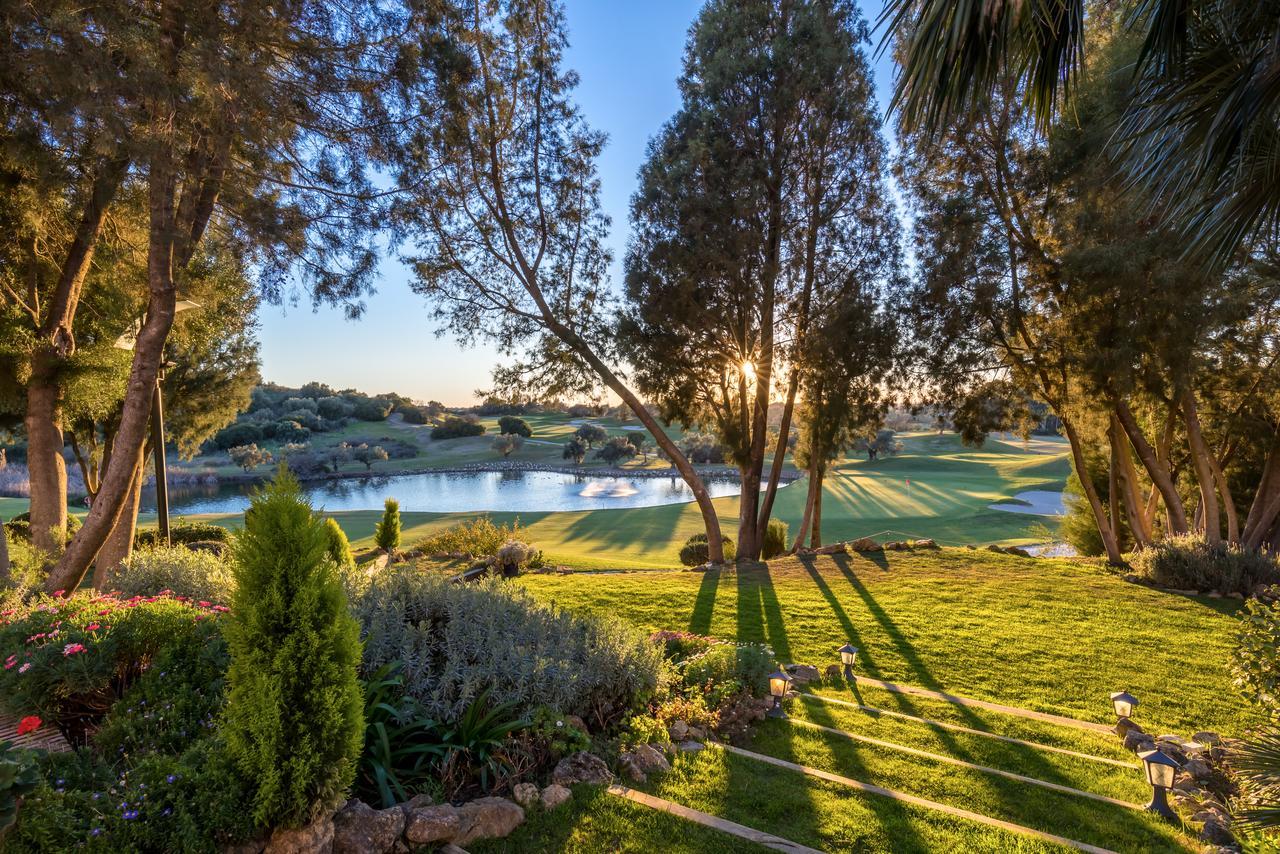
(1160, 769)
(127, 341)
(1124, 704)
(778, 684)
(848, 657)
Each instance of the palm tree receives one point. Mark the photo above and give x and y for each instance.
(1202, 132)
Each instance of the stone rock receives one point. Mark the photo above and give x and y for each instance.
(803, 674)
(553, 795)
(631, 769)
(526, 794)
(1213, 594)
(577, 723)
(1131, 578)
(678, 730)
(1216, 833)
(896, 546)
(833, 549)
(924, 544)
(1198, 769)
(697, 733)
(315, 838)
(1136, 741)
(1124, 726)
(994, 548)
(417, 801)
(582, 767)
(487, 818)
(864, 544)
(1210, 813)
(450, 848)
(1235, 594)
(691, 746)
(651, 759)
(832, 673)
(425, 825)
(360, 829)
(1017, 552)
(249, 846)
(439, 555)
(1206, 737)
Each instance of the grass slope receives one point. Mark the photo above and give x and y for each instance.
(1051, 635)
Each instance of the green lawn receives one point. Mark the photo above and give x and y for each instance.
(1051, 635)
(1048, 635)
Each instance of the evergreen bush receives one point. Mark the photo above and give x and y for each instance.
(696, 553)
(387, 533)
(339, 546)
(294, 717)
(199, 575)
(1189, 563)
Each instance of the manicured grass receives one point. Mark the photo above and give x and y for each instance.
(822, 814)
(595, 822)
(1051, 635)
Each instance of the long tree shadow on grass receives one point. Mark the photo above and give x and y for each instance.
(704, 604)
(1020, 759)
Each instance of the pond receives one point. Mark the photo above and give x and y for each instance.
(457, 492)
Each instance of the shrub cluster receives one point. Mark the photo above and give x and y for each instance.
(197, 575)
(695, 552)
(479, 537)
(455, 642)
(775, 540)
(181, 532)
(1188, 562)
(453, 427)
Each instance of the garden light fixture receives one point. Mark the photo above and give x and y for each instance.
(778, 684)
(848, 656)
(1160, 769)
(1124, 704)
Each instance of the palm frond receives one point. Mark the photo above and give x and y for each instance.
(1256, 762)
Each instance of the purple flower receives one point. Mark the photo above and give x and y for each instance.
(130, 815)
(171, 778)
(97, 831)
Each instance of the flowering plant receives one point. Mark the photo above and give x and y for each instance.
(67, 659)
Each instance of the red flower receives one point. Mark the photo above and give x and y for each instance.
(31, 723)
(58, 593)
(72, 648)
(92, 627)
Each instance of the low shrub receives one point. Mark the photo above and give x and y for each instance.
(478, 537)
(182, 532)
(399, 755)
(775, 540)
(1255, 664)
(19, 527)
(514, 425)
(694, 552)
(453, 427)
(69, 660)
(745, 665)
(458, 641)
(1189, 563)
(293, 722)
(197, 574)
(678, 646)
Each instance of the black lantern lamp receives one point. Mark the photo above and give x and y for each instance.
(848, 657)
(778, 684)
(1160, 769)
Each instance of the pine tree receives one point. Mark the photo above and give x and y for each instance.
(339, 546)
(387, 534)
(294, 718)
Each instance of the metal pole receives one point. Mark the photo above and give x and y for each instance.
(157, 441)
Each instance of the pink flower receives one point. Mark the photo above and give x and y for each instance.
(24, 668)
(10, 661)
(92, 627)
(204, 604)
(72, 648)
(58, 593)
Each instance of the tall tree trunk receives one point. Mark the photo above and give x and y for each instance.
(45, 464)
(6, 573)
(118, 547)
(815, 534)
(1156, 469)
(1260, 514)
(811, 491)
(56, 341)
(1113, 488)
(147, 354)
(1127, 481)
(1109, 542)
(1209, 507)
(779, 453)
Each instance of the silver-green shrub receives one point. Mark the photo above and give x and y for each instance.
(1188, 562)
(457, 641)
(199, 575)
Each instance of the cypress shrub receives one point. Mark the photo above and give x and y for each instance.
(339, 546)
(387, 535)
(294, 719)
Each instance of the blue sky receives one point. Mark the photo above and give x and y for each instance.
(628, 55)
